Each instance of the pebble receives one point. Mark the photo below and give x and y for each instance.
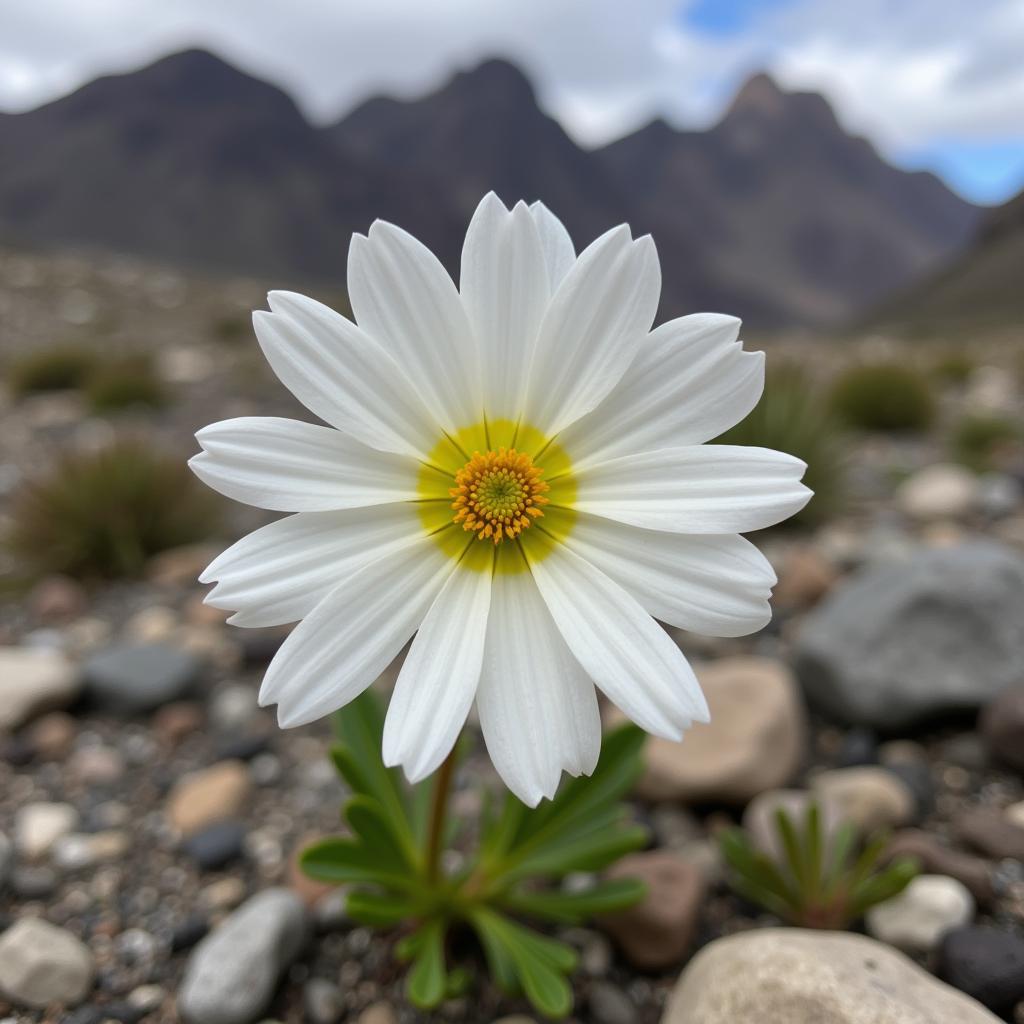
(378, 1013)
(188, 932)
(796, 976)
(973, 872)
(322, 1001)
(898, 645)
(999, 494)
(34, 882)
(137, 679)
(34, 680)
(52, 736)
(42, 964)
(868, 797)
(610, 1005)
(1001, 725)
(216, 845)
(78, 851)
(987, 964)
(174, 721)
(207, 796)
(857, 747)
(657, 932)
(754, 741)
(940, 491)
(147, 998)
(805, 577)
(224, 894)
(38, 826)
(56, 599)
(987, 830)
(917, 918)
(96, 766)
(233, 707)
(232, 974)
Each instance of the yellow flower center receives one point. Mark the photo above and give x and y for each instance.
(498, 494)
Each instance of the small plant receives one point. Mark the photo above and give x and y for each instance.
(953, 367)
(792, 418)
(393, 861)
(821, 881)
(58, 368)
(124, 383)
(977, 437)
(883, 396)
(232, 328)
(104, 513)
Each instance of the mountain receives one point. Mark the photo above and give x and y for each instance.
(192, 161)
(774, 214)
(785, 209)
(981, 287)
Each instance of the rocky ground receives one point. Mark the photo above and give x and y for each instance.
(150, 812)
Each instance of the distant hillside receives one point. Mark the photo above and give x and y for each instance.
(983, 286)
(192, 161)
(778, 202)
(774, 214)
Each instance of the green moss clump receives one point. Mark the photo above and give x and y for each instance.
(57, 368)
(128, 382)
(977, 437)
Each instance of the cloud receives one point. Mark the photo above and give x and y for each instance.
(907, 73)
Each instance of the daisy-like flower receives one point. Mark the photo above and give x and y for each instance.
(514, 474)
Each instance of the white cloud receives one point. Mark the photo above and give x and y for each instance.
(903, 72)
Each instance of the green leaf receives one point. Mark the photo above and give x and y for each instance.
(380, 909)
(540, 963)
(575, 907)
(344, 861)
(592, 851)
(427, 981)
(359, 727)
(379, 834)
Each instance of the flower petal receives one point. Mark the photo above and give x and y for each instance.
(538, 708)
(559, 253)
(290, 466)
(595, 322)
(711, 488)
(438, 681)
(281, 572)
(354, 633)
(504, 286)
(629, 656)
(716, 585)
(405, 300)
(690, 382)
(342, 375)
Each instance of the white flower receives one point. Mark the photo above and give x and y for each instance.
(515, 472)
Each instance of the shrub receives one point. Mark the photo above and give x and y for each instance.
(953, 367)
(104, 513)
(232, 328)
(883, 396)
(57, 368)
(820, 881)
(125, 382)
(792, 418)
(976, 438)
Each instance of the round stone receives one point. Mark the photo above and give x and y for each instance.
(41, 964)
(916, 919)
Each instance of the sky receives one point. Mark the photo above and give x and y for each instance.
(936, 84)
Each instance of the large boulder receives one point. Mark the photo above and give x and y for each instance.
(792, 976)
(755, 740)
(940, 633)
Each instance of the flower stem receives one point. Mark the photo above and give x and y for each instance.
(438, 809)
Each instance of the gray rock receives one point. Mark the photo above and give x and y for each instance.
(793, 976)
(232, 974)
(134, 680)
(39, 825)
(901, 644)
(34, 680)
(322, 1001)
(987, 964)
(610, 1005)
(42, 964)
(917, 919)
